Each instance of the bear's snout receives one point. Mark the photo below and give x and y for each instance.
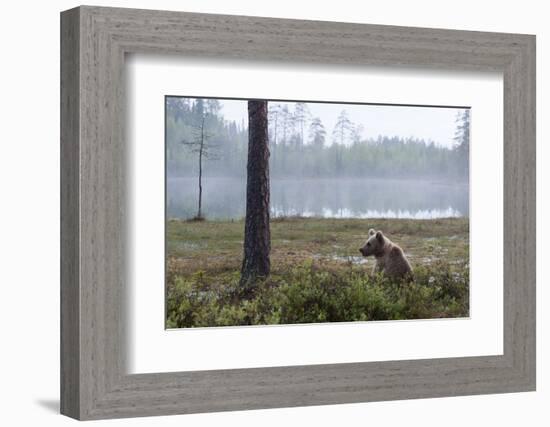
(362, 251)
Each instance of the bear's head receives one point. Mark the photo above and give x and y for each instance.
(374, 244)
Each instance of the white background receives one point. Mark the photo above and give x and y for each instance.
(152, 349)
(29, 218)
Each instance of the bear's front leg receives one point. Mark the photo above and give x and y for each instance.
(378, 267)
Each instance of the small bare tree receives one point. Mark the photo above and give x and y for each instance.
(199, 144)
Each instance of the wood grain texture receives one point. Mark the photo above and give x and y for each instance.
(94, 382)
(70, 258)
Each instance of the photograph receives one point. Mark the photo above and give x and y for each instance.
(293, 212)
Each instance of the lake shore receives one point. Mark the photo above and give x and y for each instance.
(324, 197)
(320, 255)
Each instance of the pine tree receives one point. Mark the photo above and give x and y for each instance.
(340, 134)
(274, 119)
(342, 128)
(462, 142)
(301, 116)
(357, 133)
(317, 133)
(286, 123)
(213, 107)
(257, 236)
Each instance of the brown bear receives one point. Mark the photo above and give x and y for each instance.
(390, 259)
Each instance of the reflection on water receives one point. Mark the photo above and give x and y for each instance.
(224, 198)
(348, 213)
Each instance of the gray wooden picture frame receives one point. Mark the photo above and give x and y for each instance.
(94, 41)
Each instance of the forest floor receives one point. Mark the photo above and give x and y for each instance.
(317, 272)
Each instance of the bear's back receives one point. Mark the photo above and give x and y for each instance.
(396, 264)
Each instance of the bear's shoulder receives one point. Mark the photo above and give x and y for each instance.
(395, 251)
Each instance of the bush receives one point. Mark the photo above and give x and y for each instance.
(307, 294)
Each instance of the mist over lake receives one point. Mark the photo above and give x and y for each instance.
(325, 160)
(224, 198)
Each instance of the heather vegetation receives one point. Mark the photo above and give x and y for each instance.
(317, 273)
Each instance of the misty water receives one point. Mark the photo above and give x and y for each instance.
(224, 198)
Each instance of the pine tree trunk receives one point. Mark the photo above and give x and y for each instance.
(257, 236)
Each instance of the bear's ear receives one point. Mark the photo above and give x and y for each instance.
(379, 236)
(372, 232)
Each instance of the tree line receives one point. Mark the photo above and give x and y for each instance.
(299, 145)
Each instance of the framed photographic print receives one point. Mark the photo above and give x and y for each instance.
(261, 213)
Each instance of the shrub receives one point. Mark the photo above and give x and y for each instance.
(308, 294)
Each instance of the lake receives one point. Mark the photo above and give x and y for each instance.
(224, 198)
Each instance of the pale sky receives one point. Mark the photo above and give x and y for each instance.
(429, 123)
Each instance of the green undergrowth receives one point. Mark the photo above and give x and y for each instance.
(317, 273)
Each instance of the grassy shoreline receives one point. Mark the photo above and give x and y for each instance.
(317, 275)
